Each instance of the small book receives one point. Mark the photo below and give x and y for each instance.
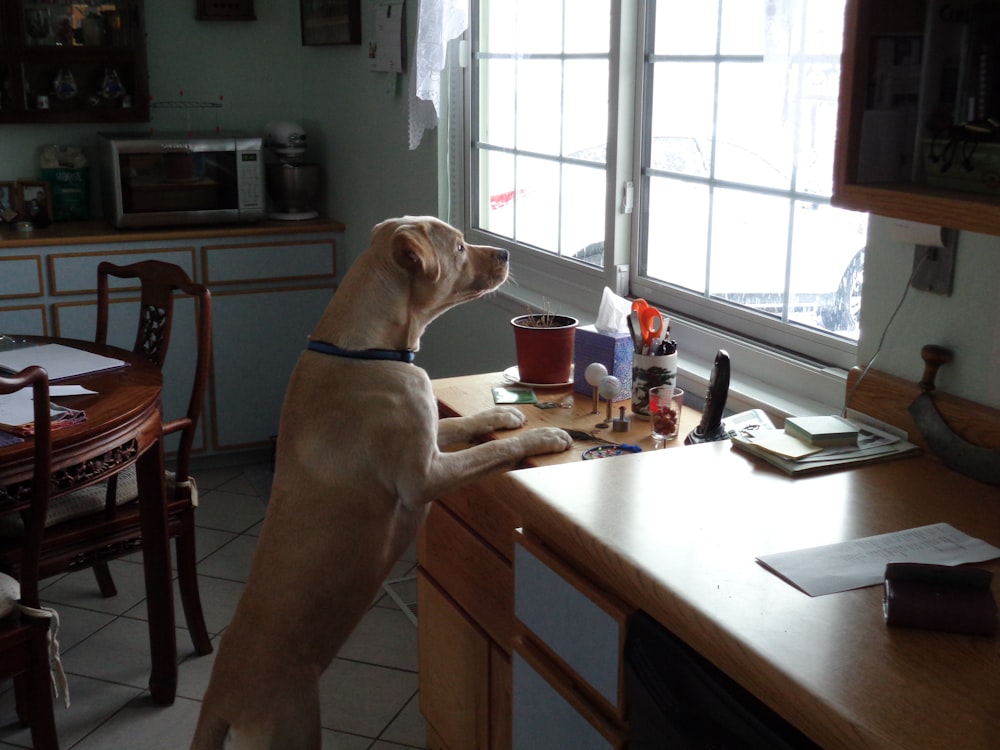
(940, 597)
(514, 394)
(823, 431)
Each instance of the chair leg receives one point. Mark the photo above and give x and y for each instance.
(187, 581)
(104, 580)
(38, 694)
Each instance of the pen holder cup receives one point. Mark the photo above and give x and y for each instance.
(649, 371)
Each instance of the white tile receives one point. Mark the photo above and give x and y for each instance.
(231, 561)
(384, 637)
(229, 511)
(79, 589)
(363, 698)
(409, 728)
(147, 725)
(92, 702)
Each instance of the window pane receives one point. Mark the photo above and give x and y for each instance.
(537, 203)
(684, 27)
(742, 28)
(496, 111)
(496, 193)
(678, 233)
(539, 26)
(755, 142)
(827, 267)
(584, 200)
(682, 136)
(539, 91)
(749, 247)
(588, 26)
(585, 109)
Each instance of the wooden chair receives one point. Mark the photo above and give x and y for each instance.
(24, 635)
(93, 525)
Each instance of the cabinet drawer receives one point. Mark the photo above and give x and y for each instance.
(22, 276)
(270, 262)
(76, 272)
(544, 716)
(475, 576)
(580, 625)
(482, 506)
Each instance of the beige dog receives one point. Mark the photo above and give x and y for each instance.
(358, 465)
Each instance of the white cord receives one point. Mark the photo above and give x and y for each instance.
(881, 341)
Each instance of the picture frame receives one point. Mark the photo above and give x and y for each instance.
(35, 202)
(330, 22)
(9, 203)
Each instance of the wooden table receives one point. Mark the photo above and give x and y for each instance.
(676, 533)
(123, 428)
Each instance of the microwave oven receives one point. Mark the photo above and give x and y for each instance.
(167, 179)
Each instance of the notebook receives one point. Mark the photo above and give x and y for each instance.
(61, 362)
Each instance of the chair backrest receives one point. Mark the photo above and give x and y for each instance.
(37, 379)
(159, 281)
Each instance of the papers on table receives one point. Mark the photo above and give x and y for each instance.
(793, 456)
(17, 414)
(61, 362)
(861, 562)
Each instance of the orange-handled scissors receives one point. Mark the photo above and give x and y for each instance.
(651, 325)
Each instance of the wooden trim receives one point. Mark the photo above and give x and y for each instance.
(207, 276)
(115, 257)
(887, 397)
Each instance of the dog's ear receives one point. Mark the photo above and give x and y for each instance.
(414, 251)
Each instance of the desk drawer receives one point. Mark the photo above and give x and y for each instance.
(474, 575)
(581, 626)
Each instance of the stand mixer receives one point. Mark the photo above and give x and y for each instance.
(291, 184)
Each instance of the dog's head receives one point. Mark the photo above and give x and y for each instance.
(442, 268)
(414, 269)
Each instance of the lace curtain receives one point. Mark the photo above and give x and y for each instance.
(438, 21)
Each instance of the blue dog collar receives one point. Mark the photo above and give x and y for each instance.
(392, 355)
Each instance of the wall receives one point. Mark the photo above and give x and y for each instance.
(358, 131)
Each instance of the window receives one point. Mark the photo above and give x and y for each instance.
(691, 143)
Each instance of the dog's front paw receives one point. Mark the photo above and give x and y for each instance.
(500, 418)
(541, 440)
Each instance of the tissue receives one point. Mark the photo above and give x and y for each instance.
(613, 314)
(608, 342)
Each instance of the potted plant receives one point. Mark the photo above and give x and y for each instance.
(544, 343)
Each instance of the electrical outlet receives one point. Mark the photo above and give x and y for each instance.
(934, 267)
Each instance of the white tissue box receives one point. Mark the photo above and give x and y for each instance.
(613, 350)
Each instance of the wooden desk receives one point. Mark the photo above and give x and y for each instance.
(675, 533)
(123, 428)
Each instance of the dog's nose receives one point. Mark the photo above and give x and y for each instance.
(502, 255)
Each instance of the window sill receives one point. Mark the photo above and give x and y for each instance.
(761, 378)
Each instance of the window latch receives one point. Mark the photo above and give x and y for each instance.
(627, 197)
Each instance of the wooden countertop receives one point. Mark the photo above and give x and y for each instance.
(96, 232)
(675, 532)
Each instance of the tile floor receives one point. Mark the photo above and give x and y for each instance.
(369, 694)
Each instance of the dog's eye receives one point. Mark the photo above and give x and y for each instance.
(461, 247)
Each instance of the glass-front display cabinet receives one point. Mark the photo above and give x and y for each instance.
(64, 61)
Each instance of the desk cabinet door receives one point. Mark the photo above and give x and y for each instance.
(259, 336)
(454, 671)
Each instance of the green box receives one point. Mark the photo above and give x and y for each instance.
(70, 192)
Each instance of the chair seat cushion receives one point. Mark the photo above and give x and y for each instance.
(10, 592)
(76, 504)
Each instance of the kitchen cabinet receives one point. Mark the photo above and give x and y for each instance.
(270, 284)
(485, 670)
(69, 62)
(917, 137)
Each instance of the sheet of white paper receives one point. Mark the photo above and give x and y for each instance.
(69, 390)
(861, 562)
(17, 408)
(58, 360)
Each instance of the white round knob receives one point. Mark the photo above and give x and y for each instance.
(594, 372)
(609, 387)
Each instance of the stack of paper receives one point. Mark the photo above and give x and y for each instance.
(59, 361)
(795, 456)
(17, 414)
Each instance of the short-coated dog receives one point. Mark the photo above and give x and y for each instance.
(358, 463)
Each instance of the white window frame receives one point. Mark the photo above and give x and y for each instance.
(785, 376)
